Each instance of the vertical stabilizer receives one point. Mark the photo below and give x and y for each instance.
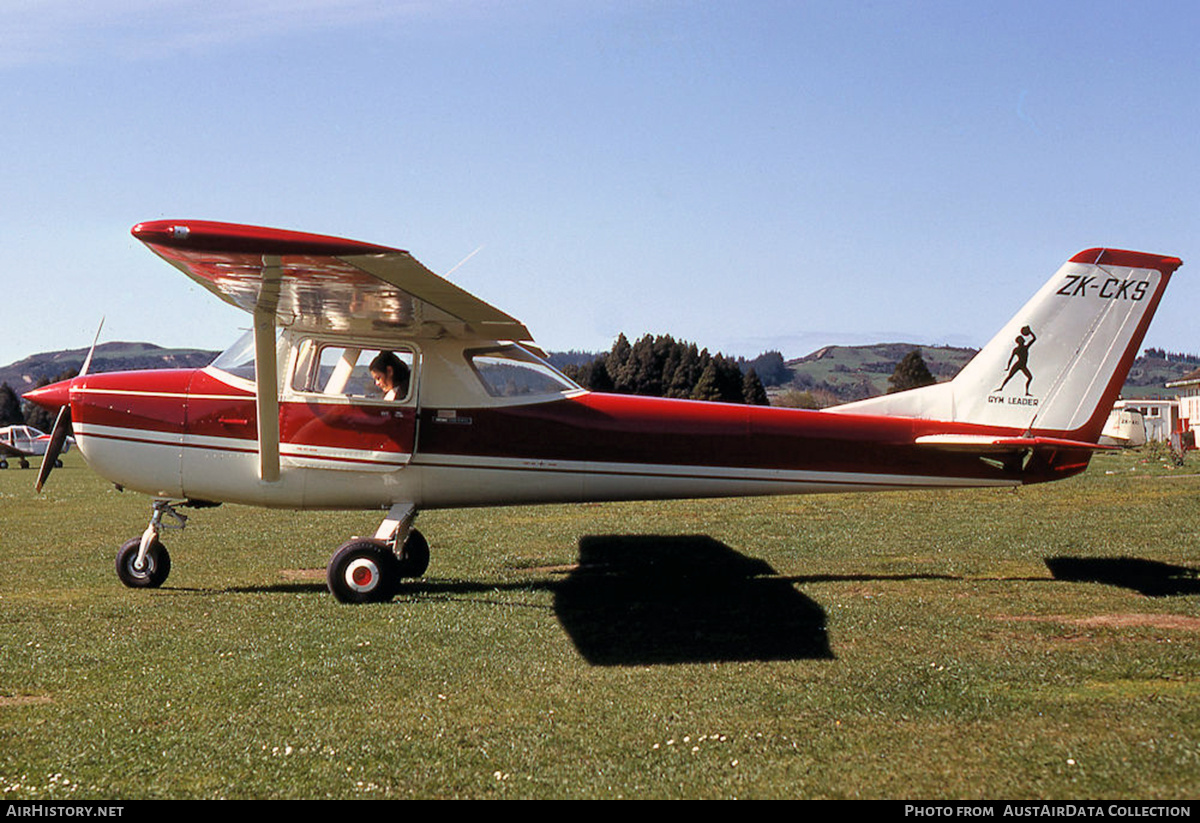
(1058, 365)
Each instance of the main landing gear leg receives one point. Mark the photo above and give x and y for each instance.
(370, 570)
(143, 562)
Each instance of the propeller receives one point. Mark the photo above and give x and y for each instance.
(58, 434)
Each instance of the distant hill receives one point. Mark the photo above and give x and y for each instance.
(1154, 368)
(24, 374)
(844, 373)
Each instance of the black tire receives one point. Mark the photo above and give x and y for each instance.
(363, 571)
(24, 463)
(58, 464)
(158, 565)
(414, 557)
(3, 464)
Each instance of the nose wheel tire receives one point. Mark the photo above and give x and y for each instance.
(154, 571)
(363, 571)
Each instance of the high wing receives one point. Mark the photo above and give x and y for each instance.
(327, 284)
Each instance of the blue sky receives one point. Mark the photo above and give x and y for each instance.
(746, 175)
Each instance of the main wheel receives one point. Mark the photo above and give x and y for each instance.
(414, 557)
(363, 571)
(157, 566)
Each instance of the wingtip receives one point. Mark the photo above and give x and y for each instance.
(209, 235)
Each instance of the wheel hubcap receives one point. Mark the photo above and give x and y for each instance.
(362, 575)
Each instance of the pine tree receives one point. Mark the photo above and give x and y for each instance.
(616, 361)
(707, 387)
(911, 373)
(683, 379)
(729, 379)
(594, 376)
(753, 392)
(10, 406)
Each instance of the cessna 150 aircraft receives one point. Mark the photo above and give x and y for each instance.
(291, 417)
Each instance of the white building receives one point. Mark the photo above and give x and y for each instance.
(1160, 415)
(1189, 400)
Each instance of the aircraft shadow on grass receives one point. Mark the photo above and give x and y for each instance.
(1148, 577)
(656, 599)
(653, 599)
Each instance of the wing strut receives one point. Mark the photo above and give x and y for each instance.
(266, 370)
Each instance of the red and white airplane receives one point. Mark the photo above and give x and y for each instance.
(290, 417)
(22, 442)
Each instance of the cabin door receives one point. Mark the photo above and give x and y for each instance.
(337, 415)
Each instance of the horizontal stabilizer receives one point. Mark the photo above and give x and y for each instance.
(985, 443)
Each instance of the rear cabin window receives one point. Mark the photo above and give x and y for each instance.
(344, 371)
(514, 372)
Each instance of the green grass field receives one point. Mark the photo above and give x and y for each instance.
(1043, 643)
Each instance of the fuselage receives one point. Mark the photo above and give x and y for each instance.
(191, 434)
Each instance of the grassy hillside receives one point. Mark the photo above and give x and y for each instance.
(854, 372)
(845, 373)
(116, 356)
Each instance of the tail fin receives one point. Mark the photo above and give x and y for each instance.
(1056, 368)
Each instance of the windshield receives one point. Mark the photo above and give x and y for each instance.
(238, 359)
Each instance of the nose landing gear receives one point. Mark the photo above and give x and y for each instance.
(143, 562)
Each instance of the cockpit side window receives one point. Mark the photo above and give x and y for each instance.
(337, 370)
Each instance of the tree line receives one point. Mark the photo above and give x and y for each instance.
(13, 412)
(661, 366)
(1171, 356)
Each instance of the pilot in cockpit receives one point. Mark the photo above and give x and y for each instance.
(391, 375)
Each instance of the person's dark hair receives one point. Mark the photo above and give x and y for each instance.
(388, 360)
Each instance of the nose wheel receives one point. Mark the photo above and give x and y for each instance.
(153, 569)
(143, 562)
